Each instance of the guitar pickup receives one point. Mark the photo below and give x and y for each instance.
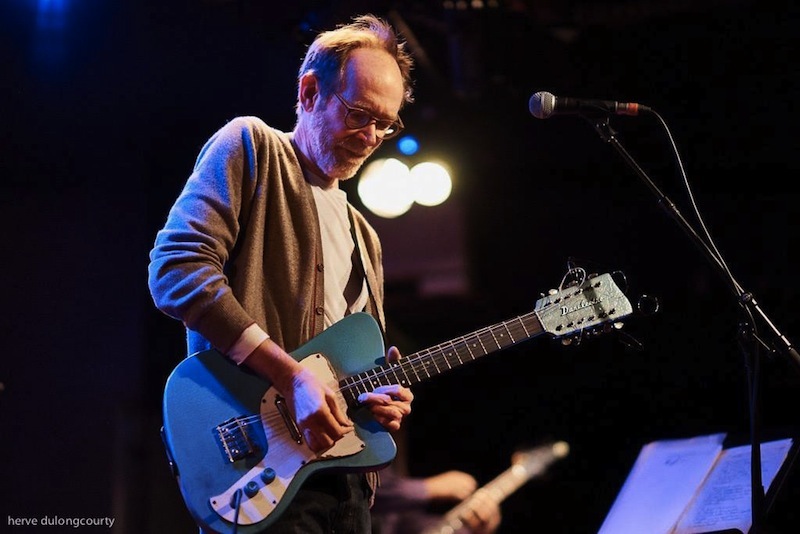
(234, 439)
(283, 409)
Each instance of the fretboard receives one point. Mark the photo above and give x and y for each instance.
(443, 357)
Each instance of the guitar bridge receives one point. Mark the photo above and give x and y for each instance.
(235, 440)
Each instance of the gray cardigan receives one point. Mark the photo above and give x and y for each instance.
(242, 245)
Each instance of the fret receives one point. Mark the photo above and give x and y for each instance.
(498, 336)
(409, 362)
(349, 388)
(483, 347)
(494, 338)
(467, 344)
(424, 364)
(436, 350)
(418, 365)
(394, 368)
(534, 324)
(376, 382)
(445, 358)
(455, 351)
(359, 385)
(522, 324)
(350, 397)
(462, 351)
(487, 338)
(509, 333)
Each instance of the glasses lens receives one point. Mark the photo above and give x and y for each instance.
(356, 118)
(391, 130)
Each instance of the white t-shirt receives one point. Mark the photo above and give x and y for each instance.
(337, 251)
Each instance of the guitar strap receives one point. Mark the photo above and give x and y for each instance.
(358, 276)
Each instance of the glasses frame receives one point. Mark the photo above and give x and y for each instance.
(383, 132)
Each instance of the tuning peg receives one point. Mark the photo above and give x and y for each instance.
(572, 340)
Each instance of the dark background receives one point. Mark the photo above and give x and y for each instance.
(104, 106)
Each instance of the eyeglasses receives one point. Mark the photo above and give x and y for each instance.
(357, 118)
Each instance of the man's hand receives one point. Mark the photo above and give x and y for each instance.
(312, 402)
(319, 417)
(484, 515)
(389, 404)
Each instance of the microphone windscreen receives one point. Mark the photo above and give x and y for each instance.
(542, 104)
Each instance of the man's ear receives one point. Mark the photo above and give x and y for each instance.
(307, 91)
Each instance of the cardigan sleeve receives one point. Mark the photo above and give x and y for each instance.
(186, 274)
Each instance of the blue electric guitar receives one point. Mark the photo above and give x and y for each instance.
(237, 454)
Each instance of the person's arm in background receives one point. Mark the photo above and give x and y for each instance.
(410, 504)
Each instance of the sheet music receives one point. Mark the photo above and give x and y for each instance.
(725, 499)
(661, 484)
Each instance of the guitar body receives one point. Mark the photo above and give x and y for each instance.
(223, 431)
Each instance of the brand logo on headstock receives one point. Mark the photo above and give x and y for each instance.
(585, 303)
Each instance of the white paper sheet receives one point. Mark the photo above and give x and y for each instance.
(661, 484)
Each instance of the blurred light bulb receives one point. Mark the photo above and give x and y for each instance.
(385, 188)
(430, 183)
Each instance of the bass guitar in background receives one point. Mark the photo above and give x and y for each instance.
(525, 465)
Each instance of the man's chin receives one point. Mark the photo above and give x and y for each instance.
(346, 171)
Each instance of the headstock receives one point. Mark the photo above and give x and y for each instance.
(590, 305)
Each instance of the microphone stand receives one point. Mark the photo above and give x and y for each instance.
(747, 333)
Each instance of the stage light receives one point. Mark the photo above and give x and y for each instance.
(430, 183)
(51, 14)
(385, 188)
(408, 145)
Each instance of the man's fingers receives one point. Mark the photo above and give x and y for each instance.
(394, 392)
(339, 414)
(311, 439)
(327, 425)
(319, 440)
(393, 354)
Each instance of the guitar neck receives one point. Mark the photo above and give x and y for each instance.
(498, 489)
(443, 357)
(589, 305)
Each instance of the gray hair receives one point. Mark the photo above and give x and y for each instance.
(328, 53)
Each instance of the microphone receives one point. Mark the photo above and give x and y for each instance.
(543, 104)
